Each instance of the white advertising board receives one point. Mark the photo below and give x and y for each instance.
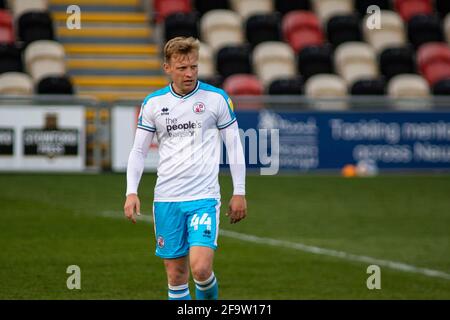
(42, 138)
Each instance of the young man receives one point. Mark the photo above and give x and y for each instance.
(188, 118)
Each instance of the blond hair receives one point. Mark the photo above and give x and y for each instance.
(180, 45)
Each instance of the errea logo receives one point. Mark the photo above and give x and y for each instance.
(198, 107)
(165, 111)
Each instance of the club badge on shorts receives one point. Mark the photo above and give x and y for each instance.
(160, 242)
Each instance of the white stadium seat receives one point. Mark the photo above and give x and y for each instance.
(221, 27)
(325, 9)
(272, 60)
(411, 87)
(16, 83)
(44, 58)
(247, 8)
(355, 61)
(206, 65)
(391, 34)
(19, 7)
(329, 87)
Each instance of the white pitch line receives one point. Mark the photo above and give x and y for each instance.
(310, 249)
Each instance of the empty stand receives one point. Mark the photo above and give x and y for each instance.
(286, 86)
(10, 58)
(55, 85)
(391, 34)
(410, 8)
(272, 60)
(442, 7)
(215, 80)
(410, 92)
(325, 9)
(396, 60)
(446, 28)
(16, 83)
(433, 60)
(301, 29)
(206, 61)
(203, 6)
(362, 5)
(221, 27)
(368, 87)
(343, 28)
(33, 25)
(6, 27)
(442, 87)
(247, 8)
(181, 24)
(423, 29)
(326, 86)
(19, 7)
(314, 60)
(164, 8)
(263, 27)
(285, 6)
(355, 61)
(45, 58)
(243, 84)
(233, 59)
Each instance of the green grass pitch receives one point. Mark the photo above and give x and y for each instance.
(51, 221)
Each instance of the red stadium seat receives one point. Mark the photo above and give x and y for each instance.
(6, 27)
(434, 61)
(164, 8)
(409, 8)
(243, 84)
(302, 28)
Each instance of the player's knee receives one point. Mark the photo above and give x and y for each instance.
(201, 272)
(177, 274)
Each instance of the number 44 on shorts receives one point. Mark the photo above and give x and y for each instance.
(196, 221)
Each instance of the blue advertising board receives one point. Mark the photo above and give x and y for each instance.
(330, 140)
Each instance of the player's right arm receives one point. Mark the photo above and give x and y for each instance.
(135, 168)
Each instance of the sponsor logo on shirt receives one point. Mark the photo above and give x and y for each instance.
(182, 129)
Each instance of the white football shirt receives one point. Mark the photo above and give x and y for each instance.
(187, 128)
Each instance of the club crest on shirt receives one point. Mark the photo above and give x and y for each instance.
(198, 107)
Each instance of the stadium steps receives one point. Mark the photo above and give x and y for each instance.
(114, 55)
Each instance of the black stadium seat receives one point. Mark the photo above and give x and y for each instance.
(181, 24)
(288, 86)
(55, 85)
(233, 59)
(369, 87)
(284, 6)
(203, 6)
(315, 59)
(10, 58)
(362, 5)
(263, 27)
(215, 80)
(343, 28)
(397, 60)
(34, 25)
(442, 87)
(442, 7)
(424, 28)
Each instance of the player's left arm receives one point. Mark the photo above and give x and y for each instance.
(238, 205)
